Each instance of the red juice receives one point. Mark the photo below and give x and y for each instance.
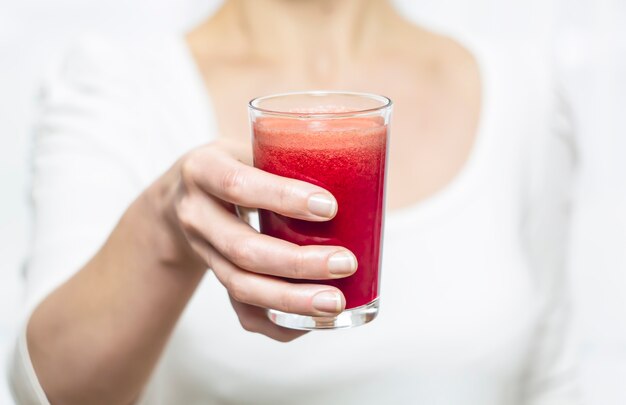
(346, 157)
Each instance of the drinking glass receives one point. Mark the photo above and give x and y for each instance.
(338, 141)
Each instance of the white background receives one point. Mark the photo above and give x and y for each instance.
(588, 39)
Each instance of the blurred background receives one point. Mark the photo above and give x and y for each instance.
(588, 43)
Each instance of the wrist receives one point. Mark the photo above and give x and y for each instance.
(168, 240)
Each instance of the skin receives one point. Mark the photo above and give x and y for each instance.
(100, 326)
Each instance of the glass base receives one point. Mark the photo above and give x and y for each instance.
(347, 319)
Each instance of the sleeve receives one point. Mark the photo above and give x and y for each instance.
(85, 157)
(551, 378)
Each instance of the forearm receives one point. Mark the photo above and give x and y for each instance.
(97, 337)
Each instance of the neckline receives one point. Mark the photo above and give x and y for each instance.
(451, 193)
(441, 200)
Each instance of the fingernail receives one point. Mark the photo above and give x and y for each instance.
(322, 205)
(327, 301)
(342, 263)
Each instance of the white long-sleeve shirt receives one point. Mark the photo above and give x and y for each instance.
(473, 303)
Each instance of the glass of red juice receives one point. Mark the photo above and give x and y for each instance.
(338, 141)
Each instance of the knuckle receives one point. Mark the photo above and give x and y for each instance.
(186, 212)
(287, 303)
(299, 264)
(232, 183)
(237, 289)
(286, 193)
(239, 251)
(246, 324)
(285, 338)
(189, 168)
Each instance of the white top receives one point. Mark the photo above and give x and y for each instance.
(473, 304)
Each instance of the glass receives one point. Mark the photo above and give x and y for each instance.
(338, 141)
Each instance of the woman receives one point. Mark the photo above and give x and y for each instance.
(143, 153)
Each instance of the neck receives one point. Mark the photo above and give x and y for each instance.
(317, 37)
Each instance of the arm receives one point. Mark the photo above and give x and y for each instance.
(97, 336)
(107, 325)
(552, 375)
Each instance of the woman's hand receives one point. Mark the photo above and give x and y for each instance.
(203, 190)
(111, 320)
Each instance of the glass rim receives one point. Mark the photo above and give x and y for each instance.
(386, 104)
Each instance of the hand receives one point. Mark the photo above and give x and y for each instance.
(209, 182)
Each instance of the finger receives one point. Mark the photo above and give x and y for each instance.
(218, 173)
(259, 253)
(272, 293)
(254, 319)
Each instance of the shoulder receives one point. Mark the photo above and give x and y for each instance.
(440, 53)
(95, 60)
(520, 85)
(106, 83)
(520, 71)
(124, 96)
(530, 114)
